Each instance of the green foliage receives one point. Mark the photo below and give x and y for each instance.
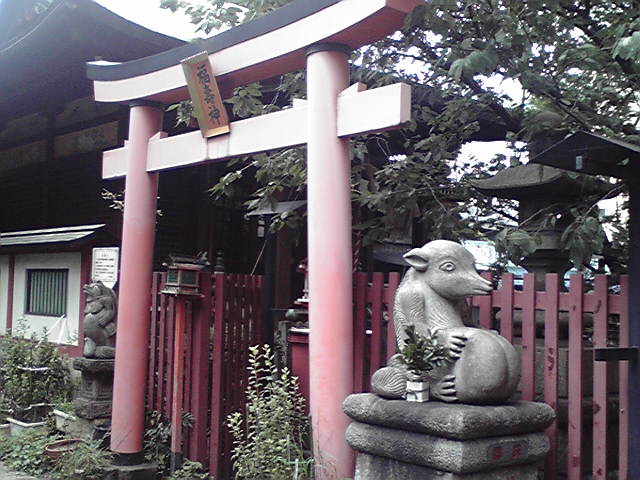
(34, 376)
(25, 453)
(422, 353)
(189, 471)
(85, 462)
(157, 440)
(575, 59)
(269, 438)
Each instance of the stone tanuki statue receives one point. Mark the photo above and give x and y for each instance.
(484, 368)
(99, 321)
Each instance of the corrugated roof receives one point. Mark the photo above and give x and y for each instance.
(48, 235)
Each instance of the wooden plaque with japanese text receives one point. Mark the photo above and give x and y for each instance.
(205, 95)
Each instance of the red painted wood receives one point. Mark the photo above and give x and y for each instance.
(171, 315)
(200, 372)
(484, 304)
(359, 334)
(528, 381)
(219, 335)
(299, 354)
(600, 386)
(623, 419)
(187, 387)
(575, 379)
(178, 376)
(390, 293)
(153, 341)
(162, 345)
(550, 362)
(377, 324)
(506, 307)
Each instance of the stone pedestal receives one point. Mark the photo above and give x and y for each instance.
(396, 439)
(96, 388)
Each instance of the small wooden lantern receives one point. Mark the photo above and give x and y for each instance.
(183, 275)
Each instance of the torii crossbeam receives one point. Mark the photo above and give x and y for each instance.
(320, 34)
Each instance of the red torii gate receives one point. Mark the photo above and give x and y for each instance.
(320, 33)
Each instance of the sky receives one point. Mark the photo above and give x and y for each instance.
(149, 14)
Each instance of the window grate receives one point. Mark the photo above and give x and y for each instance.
(47, 292)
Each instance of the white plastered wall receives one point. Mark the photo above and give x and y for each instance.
(4, 292)
(56, 329)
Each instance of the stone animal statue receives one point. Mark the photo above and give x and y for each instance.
(99, 321)
(485, 367)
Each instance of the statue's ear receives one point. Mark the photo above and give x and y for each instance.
(417, 258)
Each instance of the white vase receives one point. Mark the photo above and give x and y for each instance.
(417, 391)
(20, 428)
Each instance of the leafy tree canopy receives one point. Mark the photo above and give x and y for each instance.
(575, 64)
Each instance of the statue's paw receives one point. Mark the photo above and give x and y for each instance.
(445, 389)
(389, 382)
(457, 343)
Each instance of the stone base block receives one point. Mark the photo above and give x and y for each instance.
(92, 409)
(369, 467)
(454, 456)
(145, 471)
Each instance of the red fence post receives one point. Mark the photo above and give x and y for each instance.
(359, 333)
(390, 294)
(551, 357)
(575, 378)
(199, 373)
(623, 419)
(528, 382)
(375, 296)
(506, 307)
(217, 417)
(600, 385)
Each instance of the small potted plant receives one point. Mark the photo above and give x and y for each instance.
(421, 354)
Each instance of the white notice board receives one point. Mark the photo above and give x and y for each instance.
(104, 265)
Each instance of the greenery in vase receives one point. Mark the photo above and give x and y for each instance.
(422, 353)
(268, 440)
(85, 462)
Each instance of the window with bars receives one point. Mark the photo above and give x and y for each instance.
(47, 292)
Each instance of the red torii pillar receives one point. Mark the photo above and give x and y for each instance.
(330, 259)
(141, 192)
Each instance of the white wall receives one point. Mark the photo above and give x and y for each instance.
(4, 292)
(36, 323)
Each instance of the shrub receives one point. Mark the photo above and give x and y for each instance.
(268, 442)
(85, 462)
(189, 471)
(34, 375)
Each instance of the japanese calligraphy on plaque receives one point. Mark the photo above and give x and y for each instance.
(205, 96)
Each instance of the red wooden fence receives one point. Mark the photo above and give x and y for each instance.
(556, 331)
(220, 328)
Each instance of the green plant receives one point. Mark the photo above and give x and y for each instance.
(189, 471)
(86, 462)
(34, 376)
(268, 440)
(25, 453)
(422, 353)
(157, 440)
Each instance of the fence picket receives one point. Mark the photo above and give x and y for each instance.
(359, 334)
(377, 323)
(575, 379)
(550, 362)
(528, 383)
(389, 295)
(623, 385)
(506, 307)
(600, 385)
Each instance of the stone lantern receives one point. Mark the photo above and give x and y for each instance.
(539, 190)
